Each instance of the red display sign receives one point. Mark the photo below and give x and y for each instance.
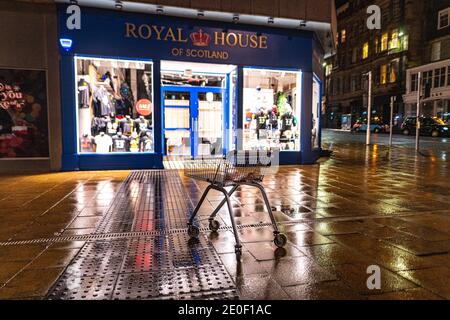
(144, 107)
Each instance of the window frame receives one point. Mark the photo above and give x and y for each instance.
(440, 14)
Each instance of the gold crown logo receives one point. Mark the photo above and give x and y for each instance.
(200, 39)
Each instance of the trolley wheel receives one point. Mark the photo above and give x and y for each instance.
(280, 240)
(193, 231)
(214, 225)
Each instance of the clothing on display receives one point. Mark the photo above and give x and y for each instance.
(103, 143)
(106, 105)
(86, 143)
(120, 143)
(288, 121)
(146, 143)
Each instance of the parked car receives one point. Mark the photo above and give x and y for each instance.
(376, 125)
(429, 126)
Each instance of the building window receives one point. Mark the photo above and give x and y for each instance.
(343, 36)
(443, 18)
(383, 74)
(394, 40)
(393, 71)
(427, 78)
(271, 109)
(384, 42)
(114, 105)
(377, 48)
(365, 51)
(414, 82)
(436, 51)
(354, 55)
(439, 77)
(448, 76)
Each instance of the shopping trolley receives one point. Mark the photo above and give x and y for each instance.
(237, 169)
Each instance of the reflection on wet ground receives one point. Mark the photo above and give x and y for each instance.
(363, 206)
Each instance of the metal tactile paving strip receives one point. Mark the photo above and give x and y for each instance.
(73, 287)
(159, 262)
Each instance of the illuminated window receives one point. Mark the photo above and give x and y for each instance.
(365, 53)
(384, 42)
(393, 71)
(343, 35)
(377, 49)
(383, 74)
(394, 40)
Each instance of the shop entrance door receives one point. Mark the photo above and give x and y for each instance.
(193, 121)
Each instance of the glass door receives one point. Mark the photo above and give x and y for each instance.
(177, 124)
(193, 121)
(209, 123)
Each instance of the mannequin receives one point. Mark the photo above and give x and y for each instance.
(261, 122)
(84, 105)
(288, 120)
(134, 142)
(86, 144)
(127, 125)
(103, 143)
(146, 142)
(120, 142)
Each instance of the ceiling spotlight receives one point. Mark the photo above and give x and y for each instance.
(270, 20)
(118, 4)
(302, 23)
(159, 9)
(235, 18)
(201, 13)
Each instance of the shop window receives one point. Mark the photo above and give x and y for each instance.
(394, 40)
(439, 77)
(271, 109)
(365, 51)
(384, 41)
(114, 105)
(383, 74)
(315, 114)
(414, 82)
(443, 18)
(23, 114)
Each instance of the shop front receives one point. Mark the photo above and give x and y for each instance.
(137, 87)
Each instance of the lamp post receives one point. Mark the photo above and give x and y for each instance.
(419, 89)
(369, 108)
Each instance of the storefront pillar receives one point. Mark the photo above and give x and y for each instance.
(69, 144)
(306, 119)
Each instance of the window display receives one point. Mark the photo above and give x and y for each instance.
(23, 114)
(271, 110)
(114, 102)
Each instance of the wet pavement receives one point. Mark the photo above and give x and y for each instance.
(121, 235)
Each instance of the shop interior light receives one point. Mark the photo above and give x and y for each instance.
(118, 4)
(66, 43)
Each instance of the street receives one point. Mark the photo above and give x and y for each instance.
(122, 234)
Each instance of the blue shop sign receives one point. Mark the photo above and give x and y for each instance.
(106, 32)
